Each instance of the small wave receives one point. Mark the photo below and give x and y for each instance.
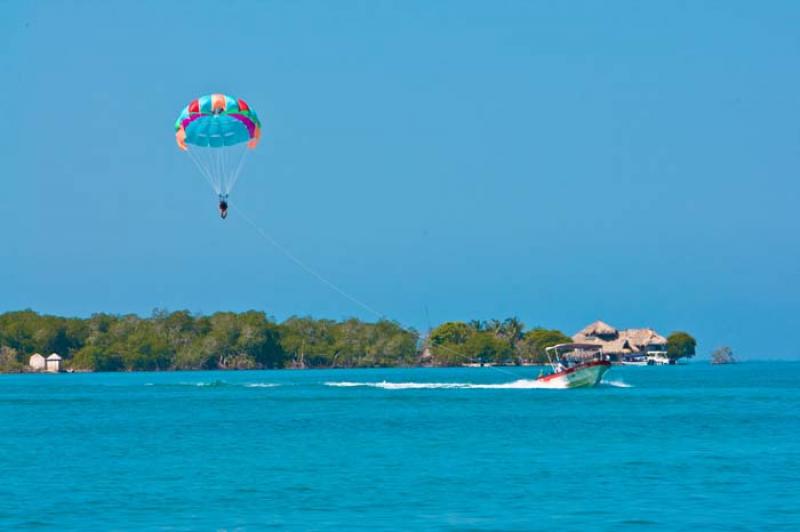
(214, 384)
(185, 384)
(203, 384)
(642, 522)
(346, 384)
(616, 384)
(522, 384)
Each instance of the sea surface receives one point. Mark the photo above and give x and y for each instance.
(664, 448)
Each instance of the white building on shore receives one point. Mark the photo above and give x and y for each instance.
(37, 362)
(51, 364)
(54, 363)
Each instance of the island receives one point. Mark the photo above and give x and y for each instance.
(722, 355)
(181, 340)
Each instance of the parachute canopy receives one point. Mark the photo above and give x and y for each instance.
(219, 129)
(217, 120)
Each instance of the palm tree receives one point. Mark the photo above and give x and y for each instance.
(477, 325)
(512, 329)
(495, 326)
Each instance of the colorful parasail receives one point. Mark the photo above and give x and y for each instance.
(216, 131)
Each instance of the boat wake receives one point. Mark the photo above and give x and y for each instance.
(522, 384)
(616, 384)
(204, 384)
(215, 384)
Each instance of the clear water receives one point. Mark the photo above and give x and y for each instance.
(657, 447)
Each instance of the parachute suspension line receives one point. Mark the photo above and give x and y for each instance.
(217, 166)
(237, 172)
(308, 269)
(330, 284)
(204, 169)
(206, 158)
(220, 153)
(223, 168)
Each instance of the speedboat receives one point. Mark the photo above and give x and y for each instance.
(634, 360)
(575, 365)
(659, 358)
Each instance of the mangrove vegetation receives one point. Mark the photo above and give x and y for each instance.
(182, 340)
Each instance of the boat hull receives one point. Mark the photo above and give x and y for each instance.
(580, 376)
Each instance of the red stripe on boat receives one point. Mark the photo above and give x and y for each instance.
(573, 370)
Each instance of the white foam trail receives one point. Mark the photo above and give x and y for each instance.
(215, 384)
(203, 384)
(616, 384)
(397, 385)
(522, 384)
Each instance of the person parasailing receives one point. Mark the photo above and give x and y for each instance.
(223, 206)
(217, 131)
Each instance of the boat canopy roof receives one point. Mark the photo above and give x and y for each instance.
(572, 347)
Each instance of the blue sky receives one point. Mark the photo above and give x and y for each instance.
(635, 162)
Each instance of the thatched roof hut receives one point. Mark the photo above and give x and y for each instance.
(617, 343)
(644, 338)
(598, 332)
(620, 346)
(599, 329)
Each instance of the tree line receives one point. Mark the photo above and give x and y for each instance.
(492, 341)
(182, 340)
(253, 340)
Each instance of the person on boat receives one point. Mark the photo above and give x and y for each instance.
(223, 207)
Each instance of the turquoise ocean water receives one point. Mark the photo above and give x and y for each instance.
(669, 448)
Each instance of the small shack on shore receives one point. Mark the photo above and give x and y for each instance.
(37, 362)
(51, 364)
(426, 357)
(54, 363)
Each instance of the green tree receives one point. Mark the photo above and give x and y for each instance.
(723, 355)
(493, 326)
(536, 341)
(680, 345)
(8, 360)
(487, 347)
(94, 358)
(18, 330)
(308, 342)
(447, 343)
(477, 325)
(452, 332)
(259, 340)
(512, 330)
